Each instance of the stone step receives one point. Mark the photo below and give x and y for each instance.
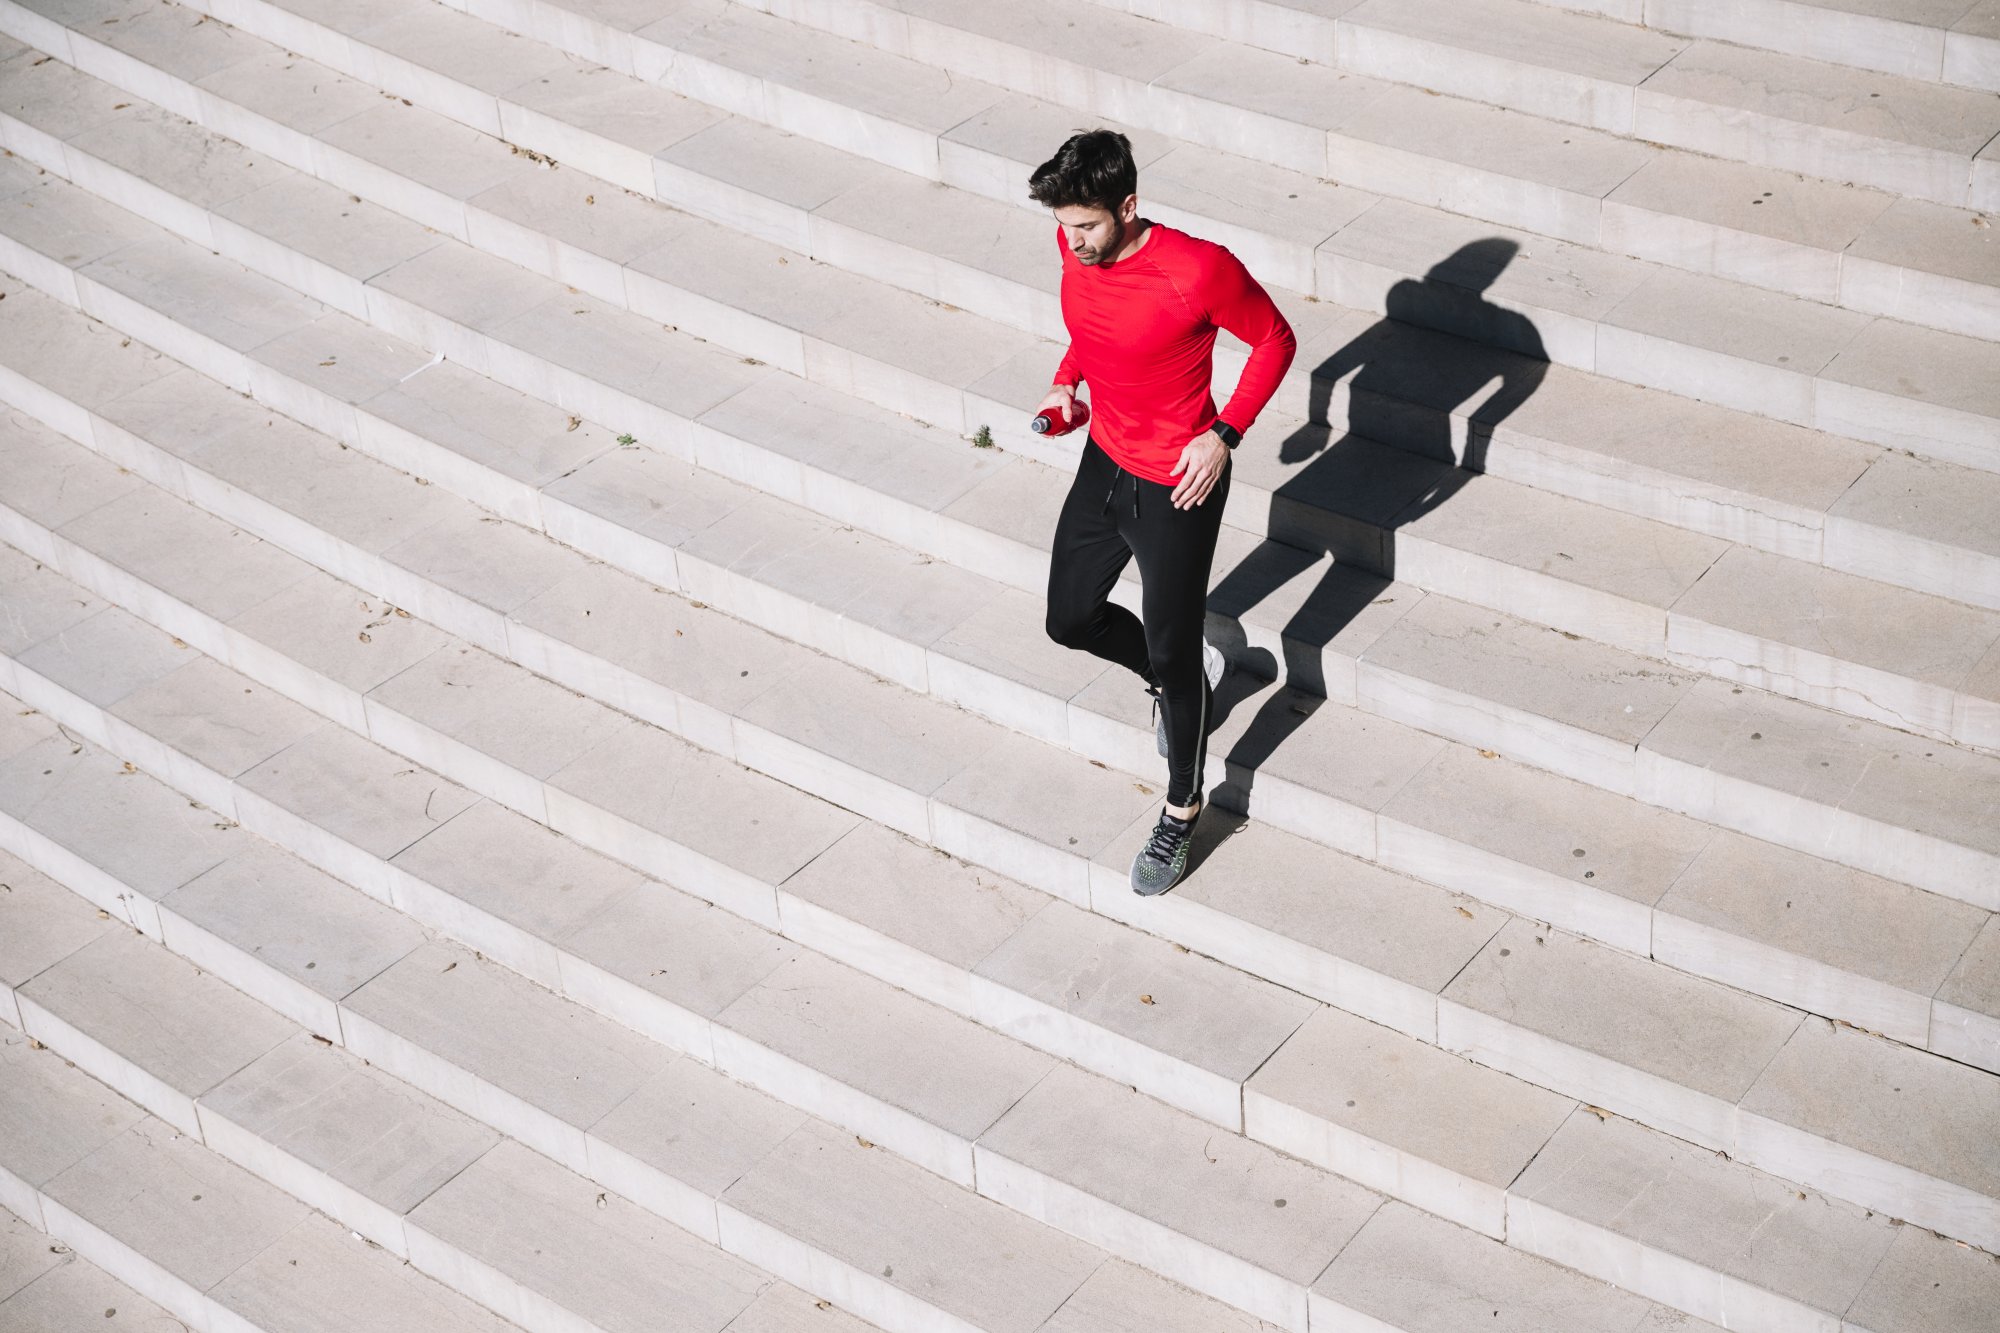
(1950, 285)
(713, 1157)
(1575, 434)
(1005, 833)
(1451, 551)
(938, 631)
(408, 1010)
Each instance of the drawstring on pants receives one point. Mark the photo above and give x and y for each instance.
(1112, 494)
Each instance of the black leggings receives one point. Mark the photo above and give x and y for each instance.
(1109, 517)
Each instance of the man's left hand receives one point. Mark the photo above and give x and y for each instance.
(1199, 468)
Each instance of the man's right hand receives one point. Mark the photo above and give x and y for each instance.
(1062, 398)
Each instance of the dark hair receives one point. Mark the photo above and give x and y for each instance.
(1094, 168)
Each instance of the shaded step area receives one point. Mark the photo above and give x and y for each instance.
(1923, 526)
(1958, 268)
(714, 1156)
(1407, 809)
(1637, 608)
(1081, 1153)
(1044, 840)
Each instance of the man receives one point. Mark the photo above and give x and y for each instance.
(1142, 303)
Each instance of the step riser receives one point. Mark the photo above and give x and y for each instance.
(1662, 498)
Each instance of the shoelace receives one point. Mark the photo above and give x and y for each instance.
(1165, 841)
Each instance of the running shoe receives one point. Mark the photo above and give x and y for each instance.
(1163, 860)
(1213, 664)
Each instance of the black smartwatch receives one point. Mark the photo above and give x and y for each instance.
(1227, 433)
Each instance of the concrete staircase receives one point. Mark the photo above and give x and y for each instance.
(486, 490)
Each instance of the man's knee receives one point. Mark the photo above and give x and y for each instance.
(1176, 658)
(1070, 626)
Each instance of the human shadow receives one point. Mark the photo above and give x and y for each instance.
(1408, 445)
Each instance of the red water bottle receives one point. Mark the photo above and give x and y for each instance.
(1054, 423)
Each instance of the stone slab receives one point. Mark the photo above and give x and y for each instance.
(497, 879)
(107, 656)
(874, 1217)
(295, 920)
(672, 948)
(38, 602)
(542, 1237)
(357, 791)
(157, 1029)
(1925, 1285)
(192, 556)
(318, 1278)
(41, 922)
(454, 1024)
(950, 1074)
(741, 819)
(193, 1216)
(1756, 900)
(54, 1114)
(1148, 991)
(1919, 808)
(216, 716)
(697, 1126)
(77, 1294)
(1642, 1029)
(1409, 1271)
(333, 1114)
(1908, 1107)
(1754, 1236)
(122, 824)
(1371, 1086)
(1121, 1161)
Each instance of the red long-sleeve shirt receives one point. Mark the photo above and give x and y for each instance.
(1142, 335)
